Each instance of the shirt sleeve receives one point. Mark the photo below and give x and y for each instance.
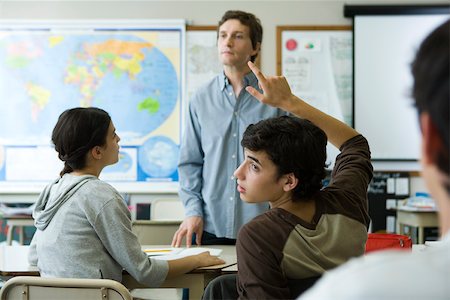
(113, 227)
(351, 176)
(259, 266)
(190, 165)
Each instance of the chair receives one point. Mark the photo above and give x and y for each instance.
(19, 221)
(39, 288)
(224, 287)
(167, 209)
(151, 232)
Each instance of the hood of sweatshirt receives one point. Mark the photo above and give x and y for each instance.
(55, 195)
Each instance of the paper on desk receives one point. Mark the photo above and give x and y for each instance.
(183, 252)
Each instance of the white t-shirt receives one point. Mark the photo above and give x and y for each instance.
(389, 275)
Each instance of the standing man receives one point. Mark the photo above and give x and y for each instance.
(218, 115)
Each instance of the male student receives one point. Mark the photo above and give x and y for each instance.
(423, 275)
(210, 152)
(309, 229)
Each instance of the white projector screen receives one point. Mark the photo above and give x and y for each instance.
(384, 47)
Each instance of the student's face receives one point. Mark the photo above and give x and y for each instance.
(234, 44)
(257, 178)
(111, 148)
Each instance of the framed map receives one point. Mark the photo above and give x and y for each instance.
(202, 58)
(132, 69)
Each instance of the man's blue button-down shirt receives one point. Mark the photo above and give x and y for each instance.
(211, 152)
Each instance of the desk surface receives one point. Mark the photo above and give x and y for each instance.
(14, 260)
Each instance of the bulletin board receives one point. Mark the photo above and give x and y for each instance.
(317, 61)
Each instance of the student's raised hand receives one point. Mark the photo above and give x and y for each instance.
(276, 90)
(187, 228)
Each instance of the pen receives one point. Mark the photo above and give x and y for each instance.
(157, 250)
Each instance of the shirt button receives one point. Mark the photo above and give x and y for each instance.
(231, 94)
(234, 135)
(233, 156)
(232, 177)
(231, 198)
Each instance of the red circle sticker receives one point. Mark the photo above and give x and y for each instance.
(291, 44)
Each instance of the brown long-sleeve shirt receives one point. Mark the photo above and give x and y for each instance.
(277, 245)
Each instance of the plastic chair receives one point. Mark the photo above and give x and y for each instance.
(167, 209)
(39, 288)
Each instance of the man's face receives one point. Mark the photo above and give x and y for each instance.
(234, 44)
(257, 178)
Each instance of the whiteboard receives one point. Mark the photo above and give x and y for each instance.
(385, 47)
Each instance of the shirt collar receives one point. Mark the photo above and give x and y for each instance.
(249, 79)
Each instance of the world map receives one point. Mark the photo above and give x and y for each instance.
(130, 74)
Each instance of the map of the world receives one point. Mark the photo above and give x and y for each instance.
(134, 75)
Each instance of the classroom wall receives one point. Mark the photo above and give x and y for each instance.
(271, 13)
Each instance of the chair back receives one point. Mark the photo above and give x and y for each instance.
(167, 209)
(39, 288)
(151, 232)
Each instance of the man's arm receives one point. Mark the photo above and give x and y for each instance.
(277, 93)
(190, 168)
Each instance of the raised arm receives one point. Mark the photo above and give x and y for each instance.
(277, 93)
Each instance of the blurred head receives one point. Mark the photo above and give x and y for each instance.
(295, 147)
(430, 69)
(77, 131)
(249, 20)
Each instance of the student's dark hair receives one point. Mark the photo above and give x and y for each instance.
(77, 131)
(430, 70)
(249, 20)
(295, 146)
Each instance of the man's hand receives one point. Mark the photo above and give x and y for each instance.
(187, 228)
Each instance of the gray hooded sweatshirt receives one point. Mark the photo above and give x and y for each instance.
(84, 231)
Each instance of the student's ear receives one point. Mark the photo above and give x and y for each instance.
(290, 182)
(431, 140)
(96, 152)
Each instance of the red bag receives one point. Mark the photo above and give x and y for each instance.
(380, 241)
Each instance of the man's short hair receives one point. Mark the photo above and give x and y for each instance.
(295, 146)
(249, 20)
(430, 70)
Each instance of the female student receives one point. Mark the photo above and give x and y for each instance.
(83, 225)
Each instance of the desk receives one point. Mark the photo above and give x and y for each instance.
(14, 262)
(416, 218)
